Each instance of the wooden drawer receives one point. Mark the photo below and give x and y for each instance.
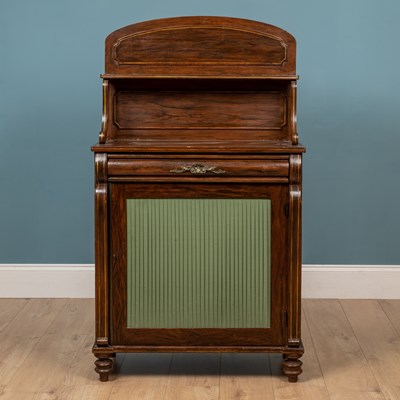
(199, 167)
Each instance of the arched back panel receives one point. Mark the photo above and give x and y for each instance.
(201, 46)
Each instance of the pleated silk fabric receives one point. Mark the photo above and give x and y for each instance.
(198, 263)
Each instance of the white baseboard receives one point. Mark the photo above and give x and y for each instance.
(351, 281)
(319, 281)
(47, 280)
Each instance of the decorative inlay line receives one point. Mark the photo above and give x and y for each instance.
(176, 28)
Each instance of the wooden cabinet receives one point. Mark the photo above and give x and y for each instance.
(198, 192)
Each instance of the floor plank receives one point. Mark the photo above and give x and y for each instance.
(352, 349)
(48, 365)
(392, 310)
(346, 372)
(194, 376)
(379, 341)
(245, 376)
(9, 394)
(23, 333)
(142, 377)
(9, 308)
(311, 384)
(81, 370)
(77, 318)
(99, 391)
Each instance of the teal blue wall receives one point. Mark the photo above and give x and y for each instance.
(348, 105)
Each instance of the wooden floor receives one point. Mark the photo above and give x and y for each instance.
(352, 352)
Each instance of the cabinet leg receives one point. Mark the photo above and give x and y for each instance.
(291, 366)
(104, 365)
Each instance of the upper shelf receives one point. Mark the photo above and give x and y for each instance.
(201, 47)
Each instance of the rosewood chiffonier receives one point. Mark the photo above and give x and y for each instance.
(198, 192)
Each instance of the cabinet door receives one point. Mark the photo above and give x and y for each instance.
(198, 264)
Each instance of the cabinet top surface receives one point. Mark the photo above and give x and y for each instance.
(233, 147)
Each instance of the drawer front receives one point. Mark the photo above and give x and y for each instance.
(199, 168)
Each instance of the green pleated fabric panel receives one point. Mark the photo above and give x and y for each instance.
(198, 263)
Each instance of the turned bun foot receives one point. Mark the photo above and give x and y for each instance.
(291, 366)
(104, 365)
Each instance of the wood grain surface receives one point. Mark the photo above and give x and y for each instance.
(351, 353)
